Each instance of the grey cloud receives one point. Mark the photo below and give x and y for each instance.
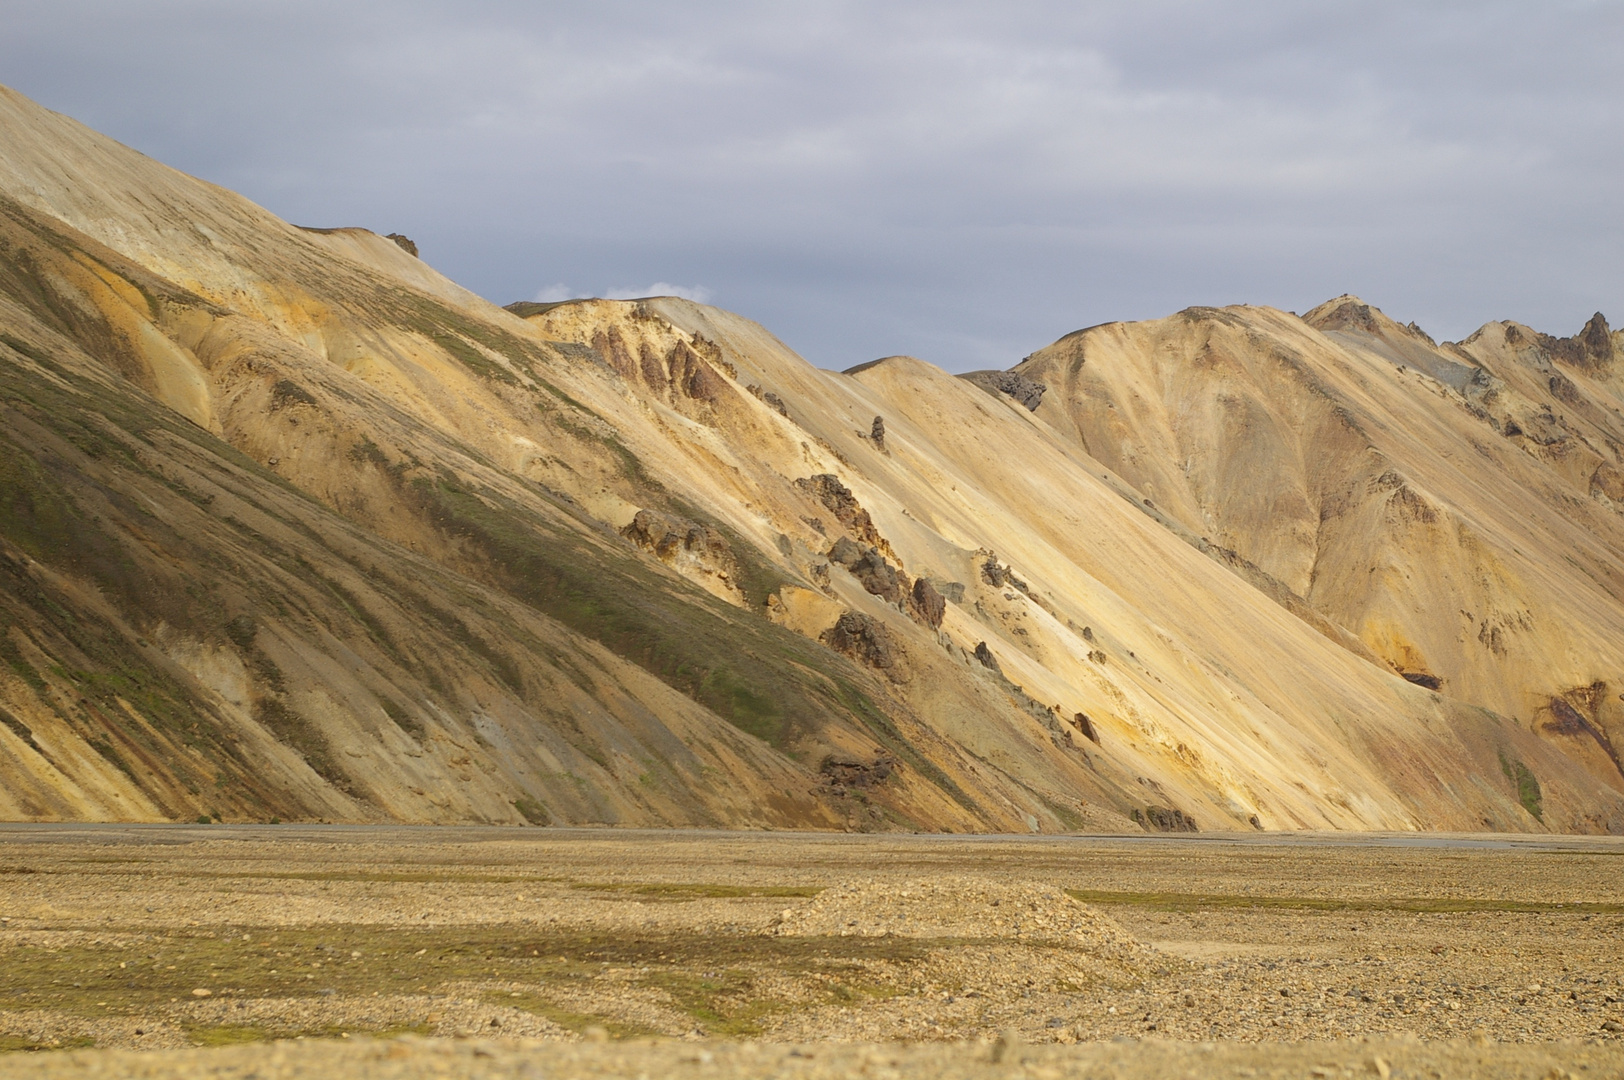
(964, 182)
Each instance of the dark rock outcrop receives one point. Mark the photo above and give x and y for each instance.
(869, 567)
(998, 576)
(927, 604)
(1349, 314)
(827, 490)
(287, 393)
(1596, 340)
(1164, 819)
(769, 399)
(683, 370)
(1421, 678)
(1563, 389)
(986, 659)
(843, 771)
(1026, 391)
(694, 374)
(876, 432)
(404, 242)
(1591, 347)
(1086, 726)
(866, 640)
(672, 538)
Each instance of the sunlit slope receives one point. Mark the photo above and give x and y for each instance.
(1204, 687)
(1442, 503)
(298, 528)
(381, 401)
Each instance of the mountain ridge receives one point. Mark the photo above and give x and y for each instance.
(412, 556)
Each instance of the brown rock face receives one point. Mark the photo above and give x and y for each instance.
(611, 345)
(867, 641)
(694, 374)
(836, 497)
(684, 544)
(876, 432)
(986, 659)
(1597, 340)
(404, 242)
(927, 605)
(1165, 819)
(869, 567)
(1024, 390)
(665, 535)
(843, 771)
(1591, 347)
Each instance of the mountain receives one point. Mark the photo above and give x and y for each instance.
(292, 527)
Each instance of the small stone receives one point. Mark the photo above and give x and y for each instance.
(200, 992)
(1379, 1067)
(1612, 1025)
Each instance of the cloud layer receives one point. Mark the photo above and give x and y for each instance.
(964, 182)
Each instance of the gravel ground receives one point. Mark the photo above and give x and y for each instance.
(411, 1059)
(503, 949)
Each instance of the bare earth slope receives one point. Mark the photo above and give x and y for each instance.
(292, 526)
(1449, 505)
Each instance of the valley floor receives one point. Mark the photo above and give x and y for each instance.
(472, 952)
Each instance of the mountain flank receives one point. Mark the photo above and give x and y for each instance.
(294, 528)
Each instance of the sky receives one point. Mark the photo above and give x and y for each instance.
(955, 181)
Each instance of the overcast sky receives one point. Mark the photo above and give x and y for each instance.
(961, 182)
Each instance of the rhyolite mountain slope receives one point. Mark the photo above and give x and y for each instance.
(292, 527)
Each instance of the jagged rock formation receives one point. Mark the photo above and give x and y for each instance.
(835, 497)
(927, 605)
(869, 567)
(291, 526)
(698, 552)
(1013, 383)
(866, 640)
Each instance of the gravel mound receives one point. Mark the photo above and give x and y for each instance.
(956, 907)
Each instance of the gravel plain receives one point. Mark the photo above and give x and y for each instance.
(396, 951)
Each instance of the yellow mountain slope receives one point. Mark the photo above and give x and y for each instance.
(292, 526)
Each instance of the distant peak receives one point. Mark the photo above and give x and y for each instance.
(1591, 347)
(865, 366)
(1346, 312)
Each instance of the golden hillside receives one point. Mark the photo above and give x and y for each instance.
(291, 526)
